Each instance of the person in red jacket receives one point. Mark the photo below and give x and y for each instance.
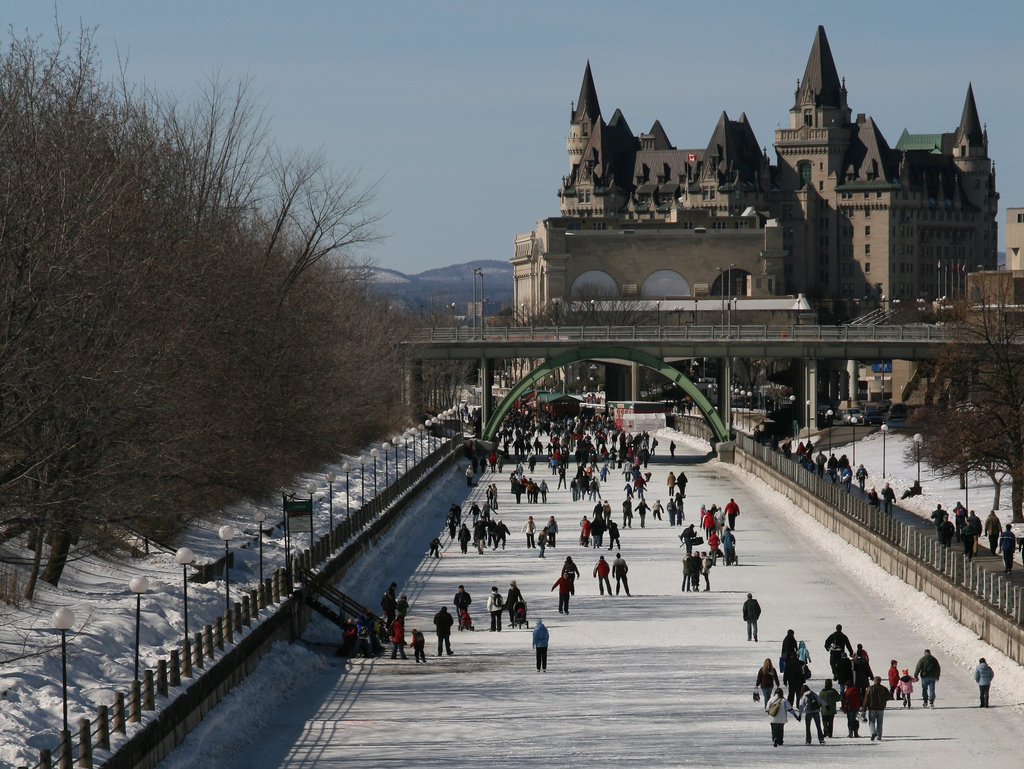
(894, 679)
(707, 522)
(565, 589)
(732, 510)
(601, 571)
(851, 706)
(398, 639)
(714, 543)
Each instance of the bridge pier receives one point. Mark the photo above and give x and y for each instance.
(851, 382)
(725, 392)
(807, 391)
(486, 382)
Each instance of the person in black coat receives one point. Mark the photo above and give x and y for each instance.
(443, 621)
(844, 672)
(794, 678)
(835, 644)
(462, 599)
(514, 595)
(789, 647)
(751, 613)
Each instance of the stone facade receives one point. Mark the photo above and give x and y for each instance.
(839, 215)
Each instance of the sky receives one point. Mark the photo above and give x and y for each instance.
(461, 109)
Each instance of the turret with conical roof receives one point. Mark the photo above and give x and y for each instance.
(820, 96)
(583, 117)
(970, 153)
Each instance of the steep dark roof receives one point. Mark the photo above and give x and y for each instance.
(658, 137)
(970, 125)
(869, 159)
(587, 107)
(599, 152)
(820, 84)
(733, 152)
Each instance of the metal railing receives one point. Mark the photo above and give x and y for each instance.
(595, 333)
(917, 541)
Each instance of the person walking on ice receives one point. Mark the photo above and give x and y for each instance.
(751, 613)
(928, 670)
(777, 709)
(601, 571)
(619, 569)
(540, 644)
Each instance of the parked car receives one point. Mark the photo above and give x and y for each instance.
(873, 417)
(853, 416)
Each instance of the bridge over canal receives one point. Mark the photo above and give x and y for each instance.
(658, 347)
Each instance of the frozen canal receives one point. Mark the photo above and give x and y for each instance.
(662, 678)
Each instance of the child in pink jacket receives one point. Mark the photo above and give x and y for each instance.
(906, 687)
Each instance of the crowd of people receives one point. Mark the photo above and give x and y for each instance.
(527, 443)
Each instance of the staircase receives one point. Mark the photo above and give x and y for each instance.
(324, 598)
(873, 318)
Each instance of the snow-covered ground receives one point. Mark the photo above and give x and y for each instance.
(662, 678)
(101, 643)
(901, 472)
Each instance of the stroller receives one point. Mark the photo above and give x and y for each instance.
(519, 614)
(465, 623)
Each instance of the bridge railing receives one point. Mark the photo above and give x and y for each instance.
(911, 333)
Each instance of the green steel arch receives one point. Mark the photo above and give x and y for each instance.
(614, 353)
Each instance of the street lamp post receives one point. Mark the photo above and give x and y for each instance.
(807, 415)
(227, 533)
(261, 517)
(330, 478)
(185, 556)
(138, 585)
(376, 453)
(362, 481)
(853, 440)
(884, 428)
(63, 619)
(918, 440)
(830, 413)
(792, 410)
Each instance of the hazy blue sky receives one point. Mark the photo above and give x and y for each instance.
(461, 108)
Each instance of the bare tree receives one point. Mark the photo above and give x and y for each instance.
(978, 424)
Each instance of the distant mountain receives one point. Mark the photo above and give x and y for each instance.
(435, 290)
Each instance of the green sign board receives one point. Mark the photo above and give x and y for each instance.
(293, 506)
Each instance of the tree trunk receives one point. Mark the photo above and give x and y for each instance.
(1017, 496)
(58, 558)
(37, 555)
(998, 493)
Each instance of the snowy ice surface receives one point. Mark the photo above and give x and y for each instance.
(662, 678)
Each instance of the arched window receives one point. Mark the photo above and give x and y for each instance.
(594, 283)
(805, 174)
(664, 283)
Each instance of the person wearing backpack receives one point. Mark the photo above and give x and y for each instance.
(810, 707)
(928, 670)
(494, 606)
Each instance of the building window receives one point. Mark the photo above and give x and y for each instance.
(867, 249)
(805, 175)
(867, 267)
(867, 231)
